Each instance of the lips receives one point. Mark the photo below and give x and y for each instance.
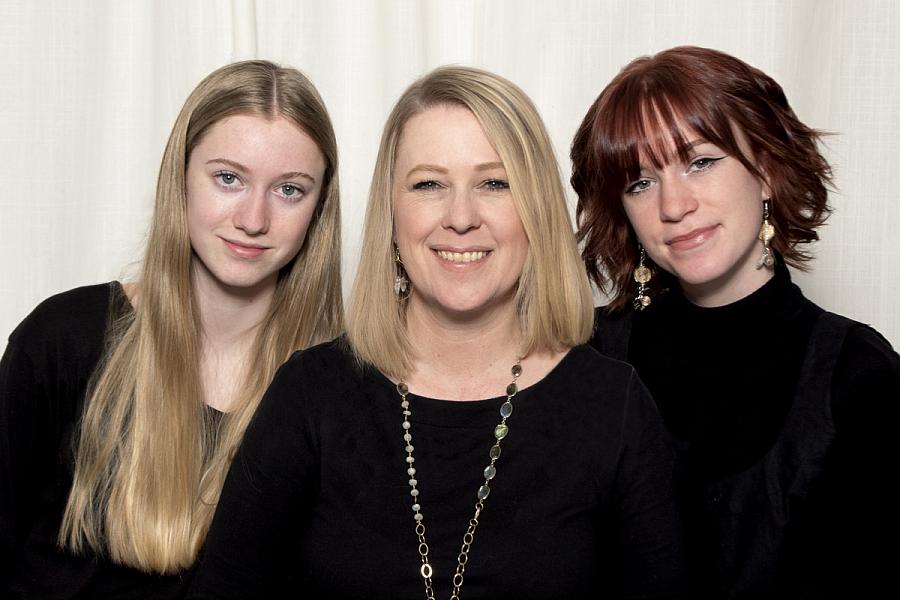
(692, 239)
(245, 250)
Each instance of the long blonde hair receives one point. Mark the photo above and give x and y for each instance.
(554, 302)
(150, 460)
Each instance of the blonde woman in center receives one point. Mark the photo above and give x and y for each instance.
(121, 405)
(461, 441)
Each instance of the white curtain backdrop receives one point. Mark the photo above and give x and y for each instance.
(89, 91)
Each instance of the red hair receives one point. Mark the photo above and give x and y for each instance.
(721, 98)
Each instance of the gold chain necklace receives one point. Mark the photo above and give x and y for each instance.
(484, 490)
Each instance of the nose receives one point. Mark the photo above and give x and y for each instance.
(461, 212)
(676, 199)
(251, 215)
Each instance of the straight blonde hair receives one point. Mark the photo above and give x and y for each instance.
(553, 299)
(150, 460)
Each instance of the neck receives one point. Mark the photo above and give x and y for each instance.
(229, 320)
(228, 315)
(461, 358)
(735, 285)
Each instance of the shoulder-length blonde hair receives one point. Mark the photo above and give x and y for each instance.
(150, 461)
(553, 299)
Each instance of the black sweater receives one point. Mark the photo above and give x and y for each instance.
(581, 506)
(43, 377)
(726, 380)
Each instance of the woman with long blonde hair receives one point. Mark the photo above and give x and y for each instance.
(122, 404)
(461, 441)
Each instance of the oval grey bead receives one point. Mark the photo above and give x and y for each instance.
(506, 409)
(483, 492)
(516, 370)
(511, 389)
(495, 452)
(402, 389)
(490, 471)
(500, 431)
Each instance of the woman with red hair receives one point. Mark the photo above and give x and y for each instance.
(698, 186)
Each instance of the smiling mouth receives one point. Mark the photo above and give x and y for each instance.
(244, 250)
(691, 239)
(461, 257)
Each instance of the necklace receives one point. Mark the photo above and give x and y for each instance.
(500, 432)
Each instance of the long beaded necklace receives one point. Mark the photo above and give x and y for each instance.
(484, 490)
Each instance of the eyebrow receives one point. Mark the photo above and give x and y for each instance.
(694, 143)
(240, 167)
(426, 168)
(687, 147)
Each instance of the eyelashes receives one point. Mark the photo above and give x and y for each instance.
(493, 184)
(229, 180)
(704, 163)
(697, 165)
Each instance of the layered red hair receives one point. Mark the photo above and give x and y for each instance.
(719, 97)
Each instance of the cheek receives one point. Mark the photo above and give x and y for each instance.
(641, 221)
(202, 206)
(410, 225)
(294, 225)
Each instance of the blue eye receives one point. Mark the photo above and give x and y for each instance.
(427, 185)
(496, 184)
(226, 178)
(704, 163)
(290, 190)
(638, 186)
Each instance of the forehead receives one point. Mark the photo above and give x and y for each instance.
(664, 136)
(445, 134)
(253, 139)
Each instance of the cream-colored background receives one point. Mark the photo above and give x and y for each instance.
(89, 90)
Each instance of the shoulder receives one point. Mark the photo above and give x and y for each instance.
(866, 355)
(80, 310)
(587, 360)
(612, 330)
(323, 359)
(71, 323)
(608, 399)
(588, 374)
(328, 369)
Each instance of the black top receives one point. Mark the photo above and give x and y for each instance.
(581, 506)
(43, 377)
(730, 384)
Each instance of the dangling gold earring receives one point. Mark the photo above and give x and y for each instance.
(642, 275)
(766, 233)
(401, 281)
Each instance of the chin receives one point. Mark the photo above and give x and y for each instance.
(700, 274)
(243, 282)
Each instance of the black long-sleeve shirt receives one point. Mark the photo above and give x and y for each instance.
(581, 507)
(44, 374)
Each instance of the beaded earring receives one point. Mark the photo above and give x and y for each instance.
(401, 281)
(766, 234)
(642, 275)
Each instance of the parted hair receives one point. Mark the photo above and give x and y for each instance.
(721, 98)
(150, 459)
(553, 298)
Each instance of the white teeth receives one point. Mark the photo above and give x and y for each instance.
(461, 256)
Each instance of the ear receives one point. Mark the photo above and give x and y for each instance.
(766, 189)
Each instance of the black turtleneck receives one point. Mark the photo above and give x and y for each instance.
(726, 380)
(724, 377)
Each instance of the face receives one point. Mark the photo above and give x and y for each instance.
(699, 220)
(461, 241)
(252, 185)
